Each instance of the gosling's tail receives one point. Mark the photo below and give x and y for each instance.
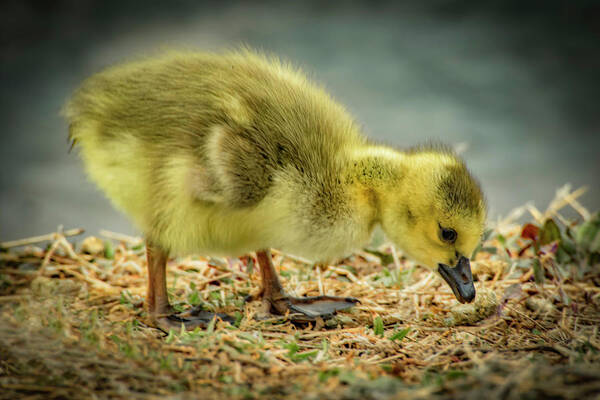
(71, 138)
(70, 114)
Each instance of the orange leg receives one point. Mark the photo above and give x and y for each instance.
(157, 300)
(271, 287)
(301, 308)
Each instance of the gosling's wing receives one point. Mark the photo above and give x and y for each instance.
(220, 126)
(240, 165)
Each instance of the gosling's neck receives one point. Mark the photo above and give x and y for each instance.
(384, 177)
(373, 172)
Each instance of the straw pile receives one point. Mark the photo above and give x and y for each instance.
(72, 322)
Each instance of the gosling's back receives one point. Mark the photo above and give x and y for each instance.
(197, 134)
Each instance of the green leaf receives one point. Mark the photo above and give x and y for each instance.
(562, 256)
(210, 328)
(347, 377)
(501, 239)
(238, 319)
(378, 326)
(325, 375)
(109, 250)
(115, 339)
(292, 348)
(595, 245)
(538, 271)
(250, 266)
(568, 246)
(124, 299)
(385, 258)
(194, 298)
(477, 250)
(455, 374)
(304, 355)
(178, 307)
(550, 232)
(588, 232)
(489, 249)
(386, 367)
(294, 352)
(487, 234)
(170, 337)
(399, 335)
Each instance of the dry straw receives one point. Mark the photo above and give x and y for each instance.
(72, 324)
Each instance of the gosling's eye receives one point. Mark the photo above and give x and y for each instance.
(448, 235)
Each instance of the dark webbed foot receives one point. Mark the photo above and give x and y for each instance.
(309, 309)
(193, 318)
(300, 309)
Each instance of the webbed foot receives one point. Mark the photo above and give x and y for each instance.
(309, 309)
(193, 318)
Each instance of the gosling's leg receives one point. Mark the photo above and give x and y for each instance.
(300, 308)
(157, 301)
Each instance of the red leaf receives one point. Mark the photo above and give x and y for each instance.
(530, 231)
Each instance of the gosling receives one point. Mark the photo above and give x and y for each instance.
(225, 154)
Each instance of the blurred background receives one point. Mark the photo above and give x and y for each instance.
(514, 84)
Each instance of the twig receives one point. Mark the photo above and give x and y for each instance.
(395, 257)
(216, 278)
(292, 257)
(535, 213)
(563, 197)
(95, 282)
(120, 237)
(320, 281)
(16, 297)
(433, 356)
(41, 238)
(391, 358)
(32, 388)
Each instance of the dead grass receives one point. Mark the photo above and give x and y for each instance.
(72, 324)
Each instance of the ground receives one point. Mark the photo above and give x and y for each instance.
(73, 325)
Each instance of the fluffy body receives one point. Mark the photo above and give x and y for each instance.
(227, 154)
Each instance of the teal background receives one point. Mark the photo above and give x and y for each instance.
(515, 86)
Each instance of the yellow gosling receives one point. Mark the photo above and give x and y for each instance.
(239, 152)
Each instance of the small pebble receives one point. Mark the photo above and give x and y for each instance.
(485, 304)
(92, 245)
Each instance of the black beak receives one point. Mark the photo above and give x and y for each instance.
(460, 279)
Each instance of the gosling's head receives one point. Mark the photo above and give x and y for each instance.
(436, 216)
